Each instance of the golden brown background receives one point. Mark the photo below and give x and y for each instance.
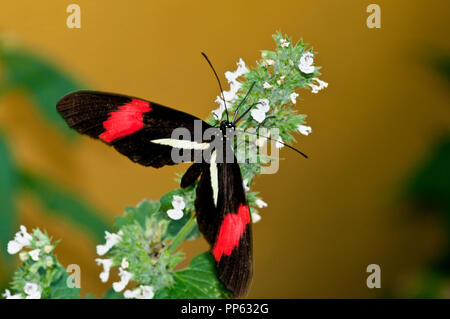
(328, 216)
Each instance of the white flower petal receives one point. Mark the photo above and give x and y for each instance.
(293, 97)
(263, 105)
(107, 264)
(32, 290)
(147, 292)
(14, 247)
(306, 63)
(256, 218)
(111, 240)
(35, 254)
(258, 115)
(305, 130)
(284, 43)
(267, 85)
(124, 264)
(245, 184)
(125, 277)
(178, 202)
(141, 292)
(7, 295)
(175, 214)
(278, 144)
(260, 203)
(306, 68)
(270, 62)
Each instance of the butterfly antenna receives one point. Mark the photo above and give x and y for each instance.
(246, 111)
(220, 85)
(271, 139)
(243, 100)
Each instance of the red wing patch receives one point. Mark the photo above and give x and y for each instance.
(125, 121)
(231, 230)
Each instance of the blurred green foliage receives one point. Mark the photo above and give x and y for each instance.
(38, 78)
(8, 187)
(429, 191)
(45, 83)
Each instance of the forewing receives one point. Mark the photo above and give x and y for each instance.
(130, 125)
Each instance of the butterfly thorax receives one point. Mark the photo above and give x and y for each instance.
(226, 126)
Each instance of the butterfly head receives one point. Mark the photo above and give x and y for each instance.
(225, 125)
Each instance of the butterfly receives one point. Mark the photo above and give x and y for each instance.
(143, 131)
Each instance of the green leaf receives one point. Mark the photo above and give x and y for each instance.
(8, 180)
(63, 204)
(60, 290)
(144, 209)
(176, 225)
(198, 281)
(44, 82)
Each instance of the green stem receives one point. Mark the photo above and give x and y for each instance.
(187, 228)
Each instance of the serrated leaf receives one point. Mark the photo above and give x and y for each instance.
(44, 82)
(64, 204)
(198, 281)
(8, 181)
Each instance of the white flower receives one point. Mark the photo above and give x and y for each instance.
(35, 254)
(124, 263)
(32, 290)
(260, 203)
(111, 240)
(241, 70)
(284, 43)
(178, 206)
(281, 80)
(293, 97)
(270, 62)
(21, 239)
(125, 277)
(267, 85)
(259, 113)
(279, 144)
(141, 292)
(107, 264)
(230, 95)
(219, 111)
(316, 88)
(48, 249)
(23, 256)
(305, 130)
(306, 63)
(256, 218)
(8, 295)
(245, 184)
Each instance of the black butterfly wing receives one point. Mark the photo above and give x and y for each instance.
(224, 219)
(129, 124)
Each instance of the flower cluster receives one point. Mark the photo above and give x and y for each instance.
(139, 249)
(276, 78)
(40, 267)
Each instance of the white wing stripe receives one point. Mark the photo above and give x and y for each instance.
(214, 177)
(183, 144)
